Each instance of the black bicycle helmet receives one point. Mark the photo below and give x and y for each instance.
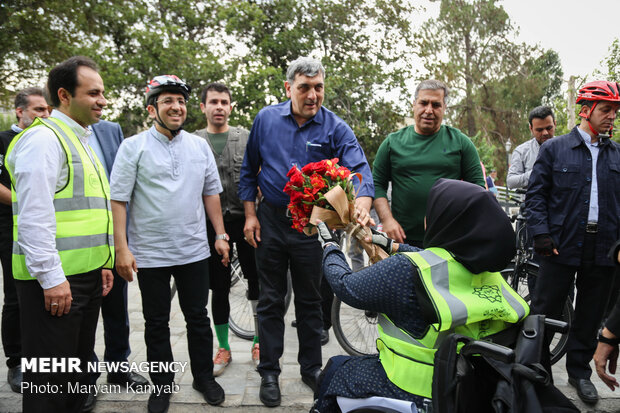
(165, 83)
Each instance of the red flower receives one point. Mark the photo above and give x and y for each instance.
(343, 172)
(296, 177)
(317, 181)
(307, 187)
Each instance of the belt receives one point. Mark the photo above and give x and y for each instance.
(278, 209)
(592, 227)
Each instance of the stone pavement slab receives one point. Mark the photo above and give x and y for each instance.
(240, 380)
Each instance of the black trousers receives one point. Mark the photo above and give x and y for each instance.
(11, 331)
(593, 290)
(192, 281)
(115, 324)
(219, 279)
(327, 299)
(281, 247)
(71, 335)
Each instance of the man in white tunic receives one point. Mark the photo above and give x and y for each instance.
(169, 178)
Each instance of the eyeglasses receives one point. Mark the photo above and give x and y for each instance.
(171, 101)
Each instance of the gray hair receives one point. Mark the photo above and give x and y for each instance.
(21, 99)
(432, 84)
(306, 66)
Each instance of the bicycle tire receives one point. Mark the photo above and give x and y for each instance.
(559, 342)
(241, 316)
(355, 329)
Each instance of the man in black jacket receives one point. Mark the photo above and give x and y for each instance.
(29, 104)
(573, 200)
(609, 338)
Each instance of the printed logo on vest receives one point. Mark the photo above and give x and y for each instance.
(489, 292)
(93, 180)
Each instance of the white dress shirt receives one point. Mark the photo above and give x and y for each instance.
(40, 169)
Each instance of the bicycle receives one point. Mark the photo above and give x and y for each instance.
(355, 330)
(241, 319)
(521, 268)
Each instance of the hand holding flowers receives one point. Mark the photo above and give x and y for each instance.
(323, 191)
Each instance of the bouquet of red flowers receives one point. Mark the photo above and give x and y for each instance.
(323, 191)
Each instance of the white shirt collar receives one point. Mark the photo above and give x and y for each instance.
(79, 131)
(587, 138)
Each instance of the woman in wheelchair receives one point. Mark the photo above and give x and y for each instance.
(452, 285)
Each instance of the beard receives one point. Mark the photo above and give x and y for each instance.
(26, 121)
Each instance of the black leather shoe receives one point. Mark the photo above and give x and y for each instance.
(129, 379)
(159, 402)
(312, 379)
(15, 377)
(91, 401)
(324, 337)
(269, 390)
(585, 390)
(211, 391)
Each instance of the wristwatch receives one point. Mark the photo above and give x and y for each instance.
(222, 236)
(607, 340)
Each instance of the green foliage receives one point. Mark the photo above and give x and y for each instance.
(359, 43)
(560, 110)
(496, 81)
(6, 120)
(612, 62)
(246, 44)
(34, 35)
(486, 151)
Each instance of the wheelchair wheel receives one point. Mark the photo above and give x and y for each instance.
(355, 329)
(241, 317)
(559, 342)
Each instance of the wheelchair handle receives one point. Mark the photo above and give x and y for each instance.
(486, 348)
(556, 326)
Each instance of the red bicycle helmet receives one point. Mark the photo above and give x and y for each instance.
(166, 83)
(597, 91)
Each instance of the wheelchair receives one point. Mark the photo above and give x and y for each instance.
(488, 361)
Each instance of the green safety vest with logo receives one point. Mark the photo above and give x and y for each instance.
(84, 237)
(474, 305)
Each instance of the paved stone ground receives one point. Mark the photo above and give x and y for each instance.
(240, 381)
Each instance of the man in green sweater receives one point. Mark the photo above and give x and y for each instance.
(414, 157)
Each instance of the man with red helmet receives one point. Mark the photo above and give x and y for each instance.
(169, 178)
(574, 202)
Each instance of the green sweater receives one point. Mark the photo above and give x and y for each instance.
(413, 162)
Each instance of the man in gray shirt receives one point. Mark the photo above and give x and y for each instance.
(169, 178)
(542, 126)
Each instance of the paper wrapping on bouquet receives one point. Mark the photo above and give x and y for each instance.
(344, 218)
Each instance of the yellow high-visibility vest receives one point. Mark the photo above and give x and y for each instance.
(474, 305)
(84, 230)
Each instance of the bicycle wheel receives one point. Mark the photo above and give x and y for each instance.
(355, 329)
(557, 348)
(241, 317)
